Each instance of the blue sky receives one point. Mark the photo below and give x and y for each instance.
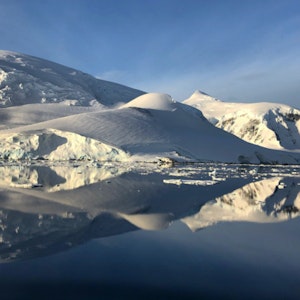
(235, 50)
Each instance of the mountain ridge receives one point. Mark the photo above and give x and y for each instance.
(271, 125)
(26, 79)
(148, 127)
(63, 119)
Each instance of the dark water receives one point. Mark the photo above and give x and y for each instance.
(186, 232)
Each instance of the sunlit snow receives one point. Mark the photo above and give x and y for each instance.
(55, 113)
(270, 125)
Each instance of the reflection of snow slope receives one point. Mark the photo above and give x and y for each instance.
(269, 200)
(18, 176)
(45, 216)
(270, 125)
(149, 221)
(151, 125)
(56, 178)
(48, 215)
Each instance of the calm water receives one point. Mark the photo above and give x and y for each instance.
(127, 232)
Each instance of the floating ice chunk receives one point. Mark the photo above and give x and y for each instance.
(190, 182)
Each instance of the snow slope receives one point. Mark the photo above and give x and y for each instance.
(57, 113)
(148, 127)
(270, 125)
(17, 116)
(26, 79)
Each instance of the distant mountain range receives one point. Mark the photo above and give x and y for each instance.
(270, 125)
(52, 112)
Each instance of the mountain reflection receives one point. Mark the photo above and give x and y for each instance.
(269, 200)
(46, 209)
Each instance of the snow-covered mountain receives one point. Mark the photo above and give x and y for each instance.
(148, 127)
(270, 125)
(26, 79)
(52, 112)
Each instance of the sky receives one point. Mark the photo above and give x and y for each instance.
(234, 50)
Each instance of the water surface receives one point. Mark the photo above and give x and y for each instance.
(128, 232)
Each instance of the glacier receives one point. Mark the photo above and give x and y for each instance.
(25, 79)
(144, 129)
(55, 113)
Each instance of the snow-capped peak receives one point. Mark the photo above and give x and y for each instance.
(270, 125)
(201, 96)
(155, 101)
(156, 127)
